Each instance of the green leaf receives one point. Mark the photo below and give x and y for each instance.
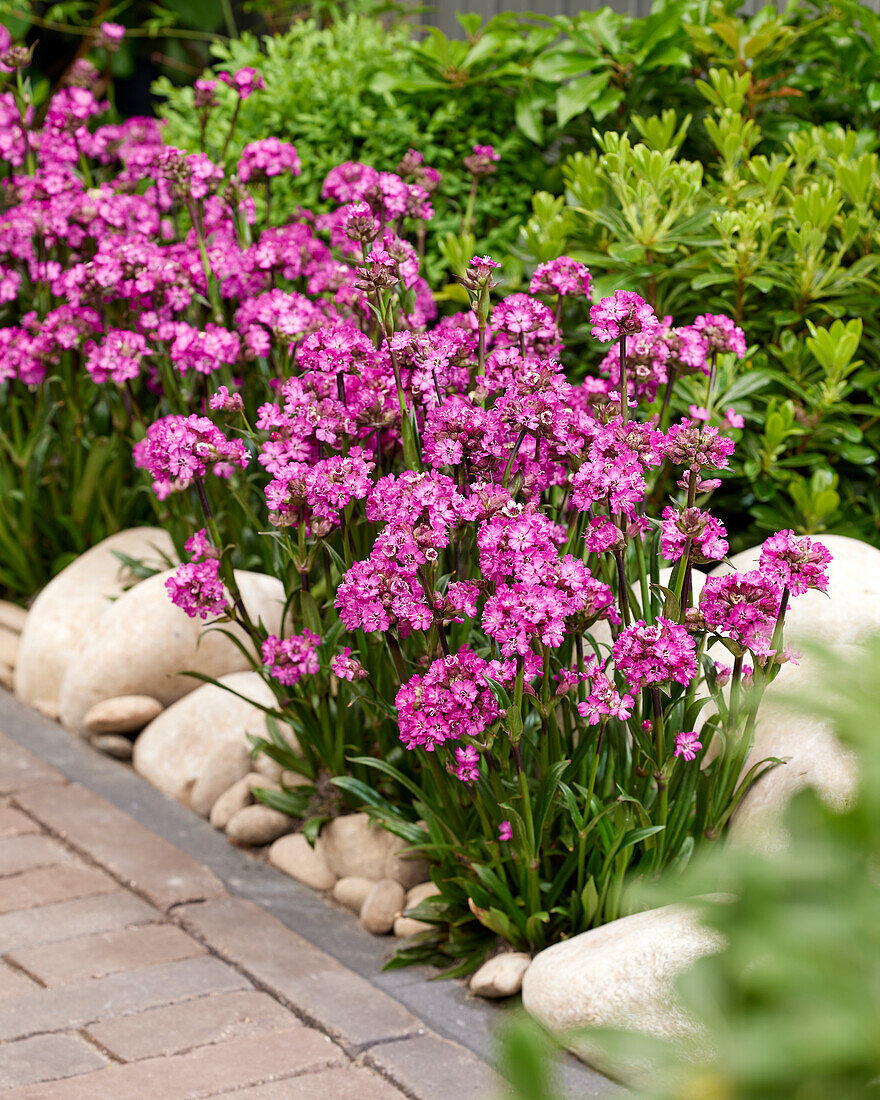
(293, 803)
(528, 111)
(575, 97)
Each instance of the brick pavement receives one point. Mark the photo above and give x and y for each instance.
(128, 971)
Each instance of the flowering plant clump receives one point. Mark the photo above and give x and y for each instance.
(480, 645)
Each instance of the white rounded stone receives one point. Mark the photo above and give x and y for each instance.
(124, 714)
(352, 892)
(227, 764)
(48, 708)
(407, 926)
(814, 758)
(500, 976)
(382, 905)
(850, 612)
(174, 749)
(239, 795)
(257, 825)
(355, 846)
(9, 646)
(296, 857)
(112, 744)
(12, 617)
(66, 610)
(618, 976)
(143, 643)
(420, 892)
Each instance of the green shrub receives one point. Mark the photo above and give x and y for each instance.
(784, 243)
(353, 91)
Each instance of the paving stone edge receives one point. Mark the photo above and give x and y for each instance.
(443, 1006)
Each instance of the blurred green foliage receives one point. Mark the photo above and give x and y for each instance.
(791, 1007)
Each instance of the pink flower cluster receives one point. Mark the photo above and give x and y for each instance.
(179, 449)
(269, 157)
(624, 313)
(797, 564)
(118, 357)
(563, 276)
(289, 659)
(655, 654)
(452, 700)
(196, 588)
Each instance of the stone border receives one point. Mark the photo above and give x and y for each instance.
(443, 1006)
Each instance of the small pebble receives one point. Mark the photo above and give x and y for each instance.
(112, 744)
(296, 857)
(257, 825)
(381, 906)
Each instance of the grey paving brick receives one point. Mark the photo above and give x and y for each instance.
(47, 885)
(13, 982)
(434, 1069)
(77, 1005)
(331, 1084)
(20, 769)
(345, 1005)
(14, 823)
(23, 853)
(175, 1028)
(77, 960)
(240, 1062)
(46, 1058)
(66, 919)
(138, 857)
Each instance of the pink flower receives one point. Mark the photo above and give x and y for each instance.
(118, 357)
(467, 764)
(655, 654)
(203, 94)
(797, 564)
(111, 36)
(482, 161)
(481, 268)
(451, 700)
(697, 412)
(561, 276)
(196, 588)
(602, 701)
(602, 535)
(199, 546)
(689, 445)
(229, 402)
(246, 81)
(505, 831)
(269, 157)
(179, 449)
(347, 667)
(687, 745)
(743, 607)
(623, 314)
(290, 659)
(733, 419)
(692, 527)
(721, 334)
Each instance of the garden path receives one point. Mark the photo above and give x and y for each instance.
(128, 970)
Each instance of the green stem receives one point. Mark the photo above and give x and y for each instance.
(506, 477)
